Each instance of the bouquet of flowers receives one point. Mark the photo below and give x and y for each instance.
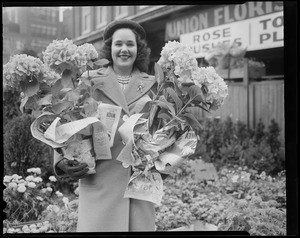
(58, 97)
(158, 141)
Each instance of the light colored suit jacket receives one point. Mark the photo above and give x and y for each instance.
(102, 206)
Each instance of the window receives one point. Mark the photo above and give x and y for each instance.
(121, 11)
(101, 16)
(86, 20)
(53, 16)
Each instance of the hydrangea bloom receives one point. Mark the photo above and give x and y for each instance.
(21, 188)
(217, 89)
(58, 193)
(52, 179)
(89, 51)
(31, 185)
(29, 178)
(21, 68)
(179, 58)
(34, 170)
(37, 179)
(63, 54)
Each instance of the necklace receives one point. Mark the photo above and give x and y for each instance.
(123, 80)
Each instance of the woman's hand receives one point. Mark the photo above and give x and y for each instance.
(73, 168)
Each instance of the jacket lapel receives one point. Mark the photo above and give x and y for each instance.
(138, 86)
(109, 85)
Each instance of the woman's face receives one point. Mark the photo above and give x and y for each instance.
(123, 49)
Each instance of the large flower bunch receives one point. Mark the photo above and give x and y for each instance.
(56, 95)
(165, 136)
(23, 72)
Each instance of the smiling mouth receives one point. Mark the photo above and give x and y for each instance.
(124, 56)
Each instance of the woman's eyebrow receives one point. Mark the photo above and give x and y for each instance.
(128, 41)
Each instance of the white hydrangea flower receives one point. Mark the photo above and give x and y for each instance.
(31, 185)
(7, 179)
(65, 200)
(52, 179)
(89, 51)
(21, 188)
(16, 177)
(235, 178)
(49, 189)
(40, 198)
(58, 193)
(21, 67)
(12, 185)
(37, 180)
(64, 52)
(29, 178)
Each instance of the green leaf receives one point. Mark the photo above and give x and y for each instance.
(56, 88)
(23, 102)
(66, 79)
(30, 88)
(196, 94)
(90, 65)
(45, 100)
(60, 106)
(153, 114)
(175, 97)
(196, 111)
(162, 102)
(165, 116)
(101, 62)
(159, 74)
(192, 121)
(72, 96)
(90, 107)
(141, 103)
(85, 81)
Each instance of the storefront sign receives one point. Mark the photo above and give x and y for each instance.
(217, 16)
(257, 33)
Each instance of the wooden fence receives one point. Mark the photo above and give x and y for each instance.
(254, 101)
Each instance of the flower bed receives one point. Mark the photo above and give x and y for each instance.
(241, 199)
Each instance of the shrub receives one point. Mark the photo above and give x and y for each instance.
(225, 142)
(11, 104)
(22, 151)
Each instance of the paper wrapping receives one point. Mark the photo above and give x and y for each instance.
(160, 153)
(64, 136)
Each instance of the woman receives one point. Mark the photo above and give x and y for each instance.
(102, 206)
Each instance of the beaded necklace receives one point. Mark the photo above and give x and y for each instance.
(123, 80)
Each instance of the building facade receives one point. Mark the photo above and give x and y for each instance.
(31, 28)
(256, 25)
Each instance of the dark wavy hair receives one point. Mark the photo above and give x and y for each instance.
(143, 52)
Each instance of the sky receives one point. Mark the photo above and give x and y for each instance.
(61, 9)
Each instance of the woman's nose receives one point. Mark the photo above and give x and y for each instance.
(124, 48)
